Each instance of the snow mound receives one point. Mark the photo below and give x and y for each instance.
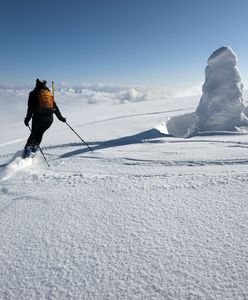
(221, 107)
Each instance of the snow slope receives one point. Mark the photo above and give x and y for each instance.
(145, 216)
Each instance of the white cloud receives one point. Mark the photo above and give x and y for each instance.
(188, 92)
(13, 99)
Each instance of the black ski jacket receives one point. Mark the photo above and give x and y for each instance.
(33, 105)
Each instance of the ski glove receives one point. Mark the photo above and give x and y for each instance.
(62, 119)
(26, 121)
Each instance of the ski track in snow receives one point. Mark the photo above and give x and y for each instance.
(12, 142)
(134, 115)
(145, 216)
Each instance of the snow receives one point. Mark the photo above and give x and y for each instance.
(15, 165)
(145, 216)
(221, 107)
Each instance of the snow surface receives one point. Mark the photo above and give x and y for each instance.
(221, 107)
(145, 216)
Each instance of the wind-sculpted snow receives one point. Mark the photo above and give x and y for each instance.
(145, 216)
(90, 231)
(221, 107)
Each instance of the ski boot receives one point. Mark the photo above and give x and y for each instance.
(27, 151)
(34, 149)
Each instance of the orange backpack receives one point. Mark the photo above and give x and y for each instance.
(45, 101)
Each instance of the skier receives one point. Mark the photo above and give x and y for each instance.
(41, 106)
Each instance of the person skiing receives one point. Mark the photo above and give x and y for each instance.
(41, 106)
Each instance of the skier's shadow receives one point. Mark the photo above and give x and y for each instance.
(146, 136)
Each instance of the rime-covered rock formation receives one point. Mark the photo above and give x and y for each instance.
(221, 106)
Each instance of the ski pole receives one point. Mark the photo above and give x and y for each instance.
(79, 137)
(70, 126)
(41, 150)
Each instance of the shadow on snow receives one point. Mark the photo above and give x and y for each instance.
(148, 136)
(141, 137)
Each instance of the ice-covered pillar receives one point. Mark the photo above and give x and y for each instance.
(221, 104)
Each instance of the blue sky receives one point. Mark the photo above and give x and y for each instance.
(138, 42)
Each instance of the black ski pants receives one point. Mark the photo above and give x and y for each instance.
(40, 124)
